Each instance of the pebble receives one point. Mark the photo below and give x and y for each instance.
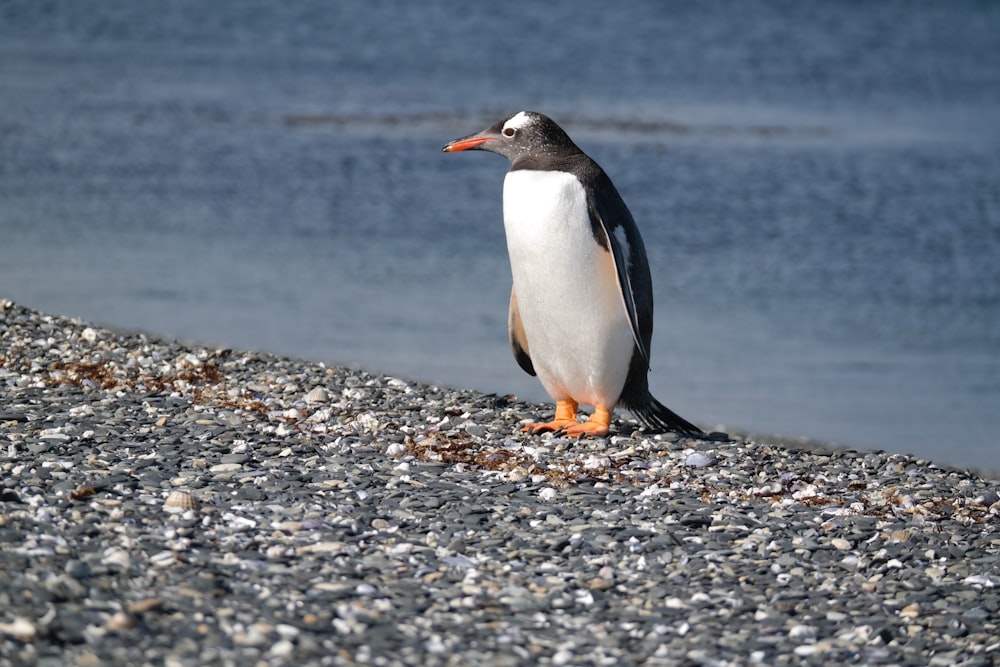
(698, 460)
(19, 629)
(163, 503)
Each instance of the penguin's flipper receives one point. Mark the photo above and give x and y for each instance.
(621, 237)
(518, 341)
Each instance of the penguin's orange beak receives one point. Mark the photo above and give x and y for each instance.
(465, 144)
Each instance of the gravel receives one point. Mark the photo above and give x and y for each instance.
(172, 504)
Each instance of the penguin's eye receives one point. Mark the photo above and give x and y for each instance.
(509, 131)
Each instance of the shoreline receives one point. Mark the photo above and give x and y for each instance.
(173, 503)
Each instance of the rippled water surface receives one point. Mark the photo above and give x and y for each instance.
(817, 187)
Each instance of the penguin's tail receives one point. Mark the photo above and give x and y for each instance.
(658, 417)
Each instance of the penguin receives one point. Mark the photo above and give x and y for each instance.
(581, 305)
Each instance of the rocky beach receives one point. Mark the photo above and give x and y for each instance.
(181, 505)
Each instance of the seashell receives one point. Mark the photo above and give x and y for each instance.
(180, 501)
(317, 395)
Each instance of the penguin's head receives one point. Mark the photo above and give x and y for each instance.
(519, 135)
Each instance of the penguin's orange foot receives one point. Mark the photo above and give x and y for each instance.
(588, 428)
(554, 425)
(596, 427)
(565, 418)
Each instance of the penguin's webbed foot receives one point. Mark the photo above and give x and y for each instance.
(556, 425)
(597, 426)
(565, 418)
(589, 428)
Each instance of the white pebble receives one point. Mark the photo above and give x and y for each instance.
(562, 657)
(20, 628)
(163, 559)
(281, 649)
(435, 645)
(596, 462)
(236, 522)
(806, 492)
(396, 450)
(850, 562)
(806, 632)
(118, 557)
(547, 493)
(698, 460)
(979, 580)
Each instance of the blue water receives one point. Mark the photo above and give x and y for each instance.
(818, 186)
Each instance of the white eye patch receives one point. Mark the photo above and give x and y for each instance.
(517, 121)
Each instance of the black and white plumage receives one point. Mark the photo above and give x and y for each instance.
(581, 307)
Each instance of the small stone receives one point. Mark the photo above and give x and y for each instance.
(77, 569)
(599, 584)
(286, 631)
(164, 558)
(65, 587)
(980, 580)
(121, 622)
(9, 496)
(331, 547)
(281, 649)
(698, 460)
(562, 657)
(116, 557)
(802, 632)
(20, 629)
(144, 605)
(396, 450)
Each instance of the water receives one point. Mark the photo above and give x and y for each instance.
(817, 186)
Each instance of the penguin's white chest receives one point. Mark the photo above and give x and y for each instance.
(567, 289)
